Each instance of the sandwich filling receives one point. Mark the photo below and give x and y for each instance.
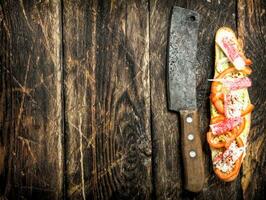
(225, 161)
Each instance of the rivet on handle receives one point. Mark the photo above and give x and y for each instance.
(189, 119)
(192, 154)
(190, 137)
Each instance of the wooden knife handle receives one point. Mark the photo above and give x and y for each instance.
(192, 150)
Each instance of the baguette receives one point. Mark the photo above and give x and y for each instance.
(230, 106)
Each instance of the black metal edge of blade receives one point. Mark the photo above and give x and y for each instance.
(167, 59)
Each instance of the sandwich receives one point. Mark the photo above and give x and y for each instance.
(230, 105)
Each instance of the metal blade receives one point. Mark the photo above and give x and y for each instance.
(182, 54)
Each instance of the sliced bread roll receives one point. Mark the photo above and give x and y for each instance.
(230, 106)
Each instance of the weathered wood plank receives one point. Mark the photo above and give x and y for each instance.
(79, 36)
(137, 143)
(252, 31)
(30, 101)
(107, 100)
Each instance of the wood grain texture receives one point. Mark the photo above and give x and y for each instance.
(108, 145)
(31, 166)
(252, 30)
(79, 35)
(109, 104)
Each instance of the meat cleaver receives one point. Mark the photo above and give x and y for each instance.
(182, 92)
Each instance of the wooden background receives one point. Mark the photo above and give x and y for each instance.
(83, 99)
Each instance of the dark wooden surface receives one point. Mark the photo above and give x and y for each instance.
(252, 30)
(31, 104)
(107, 88)
(83, 99)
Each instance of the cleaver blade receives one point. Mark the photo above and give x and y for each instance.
(181, 61)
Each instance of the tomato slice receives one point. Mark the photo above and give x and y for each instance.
(217, 119)
(249, 109)
(248, 62)
(216, 87)
(226, 71)
(241, 127)
(218, 102)
(222, 140)
(247, 70)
